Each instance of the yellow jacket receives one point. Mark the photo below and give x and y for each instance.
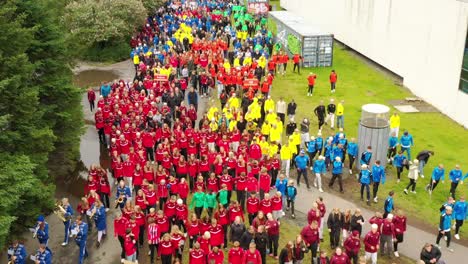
(295, 138)
(136, 59)
(394, 121)
(265, 146)
(211, 112)
(214, 126)
(255, 109)
(271, 118)
(234, 102)
(232, 125)
(269, 105)
(227, 66)
(247, 61)
(262, 62)
(266, 129)
(275, 134)
(285, 153)
(292, 148)
(273, 150)
(340, 109)
(236, 62)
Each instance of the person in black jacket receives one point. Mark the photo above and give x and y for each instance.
(431, 255)
(237, 229)
(291, 110)
(357, 221)
(319, 111)
(331, 109)
(335, 224)
(423, 158)
(192, 97)
(247, 238)
(299, 249)
(286, 254)
(261, 241)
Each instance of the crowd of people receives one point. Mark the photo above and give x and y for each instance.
(215, 184)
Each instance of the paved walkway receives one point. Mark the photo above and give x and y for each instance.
(414, 237)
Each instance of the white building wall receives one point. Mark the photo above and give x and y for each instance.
(421, 40)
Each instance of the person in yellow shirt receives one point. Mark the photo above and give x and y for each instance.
(275, 135)
(136, 61)
(237, 62)
(234, 101)
(213, 125)
(247, 61)
(264, 146)
(270, 116)
(273, 149)
(227, 66)
(286, 156)
(340, 114)
(266, 127)
(296, 139)
(394, 124)
(269, 105)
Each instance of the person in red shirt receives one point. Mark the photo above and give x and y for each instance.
(333, 79)
(352, 245)
(130, 246)
(153, 237)
(339, 257)
(216, 256)
(252, 256)
(166, 249)
(311, 81)
(120, 223)
(273, 229)
(310, 235)
(197, 255)
(235, 254)
(399, 220)
(91, 98)
(387, 236)
(297, 59)
(371, 244)
(253, 205)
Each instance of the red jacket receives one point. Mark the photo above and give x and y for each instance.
(153, 233)
(253, 205)
(204, 244)
(371, 240)
(216, 258)
(311, 79)
(166, 248)
(193, 228)
(130, 245)
(312, 216)
(341, 259)
(233, 212)
(197, 256)
(272, 227)
(265, 181)
(119, 226)
(255, 151)
(163, 224)
(183, 189)
(310, 235)
(217, 235)
(181, 212)
(388, 229)
(251, 184)
(400, 224)
(265, 206)
(376, 220)
(252, 258)
(235, 256)
(169, 209)
(276, 203)
(352, 245)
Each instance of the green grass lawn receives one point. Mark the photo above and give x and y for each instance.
(359, 84)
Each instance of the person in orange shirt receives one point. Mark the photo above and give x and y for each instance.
(333, 79)
(297, 59)
(311, 80)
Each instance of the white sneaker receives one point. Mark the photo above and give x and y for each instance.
(396, 254)
(315, 184)
(375, 200)
(122, 260)
(445, 238)
(422, 176)
(413, 192)
(457, 236)
(149, 253)
(107, 209)
(350, 171)
(450, 249)
(64, 244)
(320, 190)
(398, 181)
(405, 191)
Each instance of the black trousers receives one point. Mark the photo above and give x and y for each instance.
(447, 234)
(150, 153)
(91, 105)
(321, 121)
(296, 65)
(431, 186)
(241, 199)
(273, 244)
(340, 181)
(122, 244)
(302, 172)
(375, 189)
(166, 259)
(453, 189)
(365, 186)
(153, 249)
(311, 89)
(412, 183)
(458, 224)
(335, 237)
(282, 116)
(198, 211)
(351, 161)
(313, 251)
(391, 152)
(290, 204)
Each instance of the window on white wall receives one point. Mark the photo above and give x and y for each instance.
(464, 71)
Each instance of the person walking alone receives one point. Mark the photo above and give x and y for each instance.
(311, 82)
(337, 172)
(438, 173)
(413, 176)
(331, 109)
(319, 112)
(301, 163)
(340, 115)
(444, 227)
(333, 80)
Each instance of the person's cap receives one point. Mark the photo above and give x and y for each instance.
(40, 218)
(390, 216)
(355, 233)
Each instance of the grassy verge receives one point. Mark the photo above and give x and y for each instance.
(359, 84)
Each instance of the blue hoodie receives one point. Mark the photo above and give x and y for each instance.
(336, 152)
(398, 160)
(445, 222)
(364, 177)
(281, 185)
(456, 175)
(438, 174)
(291, 192)
(311, 147)
(337, 167)
(82, 232)
(460, 210)
(366, 157)
(352, 149)
(302, 161)
(388, 205)
(319, 143)
(392, 142)
(378, 174)
(406, 141)
(319, 166)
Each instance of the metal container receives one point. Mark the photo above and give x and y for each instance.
(373, 131)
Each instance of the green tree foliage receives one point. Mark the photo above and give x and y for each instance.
(103, 24)
(40, 112)
(152, 5)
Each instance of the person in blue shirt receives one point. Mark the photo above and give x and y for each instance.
(17, 253)
(281, 186)
(337, 172)
(80, 229)
(319, 169)
(43, 255)
(291, 192)
(438, 173)
(352, 153)
(364, 180)
(400, 161)
(105, 90)
(460, 213)
(67, 223)
(42, 230)
(456, 176)
(337, 151)
(123, 192)
(366, 156)
(311, 149)
(378, 176)
(406, 142)
(389, 204)
(444, 227)
(99, 213)
(301, 163)
(319, 143)
(392, 147)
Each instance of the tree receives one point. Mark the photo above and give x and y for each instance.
(101, 22)
(153, 5)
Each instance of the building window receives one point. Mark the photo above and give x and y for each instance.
(464, 71)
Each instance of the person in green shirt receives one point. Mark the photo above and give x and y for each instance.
(210, 202)
(198, 200)
(223, 195)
